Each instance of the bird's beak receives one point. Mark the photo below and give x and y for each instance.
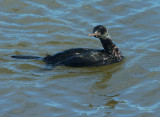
(94, 34)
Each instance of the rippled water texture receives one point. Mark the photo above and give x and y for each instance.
(41, 27)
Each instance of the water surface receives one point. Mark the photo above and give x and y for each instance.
(42, 27)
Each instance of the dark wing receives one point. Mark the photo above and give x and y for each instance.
(54, 59)
(83, 60)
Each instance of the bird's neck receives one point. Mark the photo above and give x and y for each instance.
(107, 43)
(111, 48)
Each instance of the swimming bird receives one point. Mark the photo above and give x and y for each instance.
(85, 57)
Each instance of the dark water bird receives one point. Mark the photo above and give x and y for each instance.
(85, 57)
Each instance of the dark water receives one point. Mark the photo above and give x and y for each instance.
(40, 27)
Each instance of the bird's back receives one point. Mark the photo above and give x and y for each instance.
(81, 57)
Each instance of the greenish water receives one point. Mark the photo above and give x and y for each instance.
(41, 27)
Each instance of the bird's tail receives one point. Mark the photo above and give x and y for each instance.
(27, 57)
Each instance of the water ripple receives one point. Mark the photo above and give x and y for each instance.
(46, 27)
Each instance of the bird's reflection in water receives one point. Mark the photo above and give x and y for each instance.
(109, 99)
